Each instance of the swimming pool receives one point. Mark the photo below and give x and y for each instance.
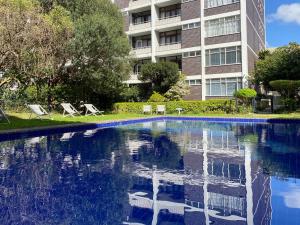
(157, 171)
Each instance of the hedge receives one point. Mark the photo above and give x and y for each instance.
(213, 105)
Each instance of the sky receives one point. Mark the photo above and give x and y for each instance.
(283, 22)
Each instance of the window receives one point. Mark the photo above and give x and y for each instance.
(216, 3)
(223, 26)
(193, 82)
(170, 37)
(223, 86)
(191, 26)
(170, 11)
(142, 17)
(223, 56)
(141, 42)
(191, 54)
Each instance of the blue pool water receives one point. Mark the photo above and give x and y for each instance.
(160, 172)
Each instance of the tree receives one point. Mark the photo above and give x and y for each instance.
(100, 50)
(162, 75)
(281, 64)
(34, 45)
(179, 90)
(289, 91)
(245, 95)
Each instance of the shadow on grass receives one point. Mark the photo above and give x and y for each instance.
(19, 122)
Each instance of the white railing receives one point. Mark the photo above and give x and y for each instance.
(140, 26)
(169, 47)
(168, 20)
(142, 50)
(139, 3)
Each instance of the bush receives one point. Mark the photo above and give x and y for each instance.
(245, 94)
(177, 91)
(195, 107)
(156, 97)
(287, 88)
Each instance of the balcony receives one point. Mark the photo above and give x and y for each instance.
(140, 27)
(169, 49)
(138, 4)
(142, 52)
(169, 21)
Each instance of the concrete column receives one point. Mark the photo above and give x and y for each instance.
(203, 49)
(154, 38)
(244, 40)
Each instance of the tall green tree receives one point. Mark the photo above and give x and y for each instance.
(281, 64)
(34, 45)
(100, 49)
(162, 75)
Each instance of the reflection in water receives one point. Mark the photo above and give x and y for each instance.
(174, 172)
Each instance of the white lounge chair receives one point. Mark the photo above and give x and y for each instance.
(3, 116)
(161, 109)
(69, 110)
(92, 110)
(67, 136)
(39, 111)
(147, 109)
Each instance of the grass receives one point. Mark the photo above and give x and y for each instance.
(21, 120)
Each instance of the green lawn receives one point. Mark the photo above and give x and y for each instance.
(21, 120)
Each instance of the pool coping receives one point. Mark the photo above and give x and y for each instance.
(28, 132)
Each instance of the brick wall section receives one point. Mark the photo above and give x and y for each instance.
(190, 10)
(122, 3)
(191, 66)
(195, 93)
(191, 38)
(253, 39)
(222, 9)
(251, 60)
(223, 39)
(223, 69)
(255, 23)
(126, 22)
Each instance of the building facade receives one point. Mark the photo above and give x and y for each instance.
(214, 42)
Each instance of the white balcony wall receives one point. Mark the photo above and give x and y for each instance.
(168, 49)
(138, 3)
(168, 20)
(135, 28)
(141, 52)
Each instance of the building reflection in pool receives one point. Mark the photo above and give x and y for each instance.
(172, 172)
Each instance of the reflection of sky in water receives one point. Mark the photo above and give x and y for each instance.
(285, 201)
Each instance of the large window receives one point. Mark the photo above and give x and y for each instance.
(141, 42)
(142, 17)
(223, 26)
(223, 86)
(223, 56)
(170, 11)
(170, 37)
(216, 3)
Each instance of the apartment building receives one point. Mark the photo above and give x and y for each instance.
(214, 42)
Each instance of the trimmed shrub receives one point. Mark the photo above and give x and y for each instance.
(287, 88)
(195, 107)
(156, 97)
